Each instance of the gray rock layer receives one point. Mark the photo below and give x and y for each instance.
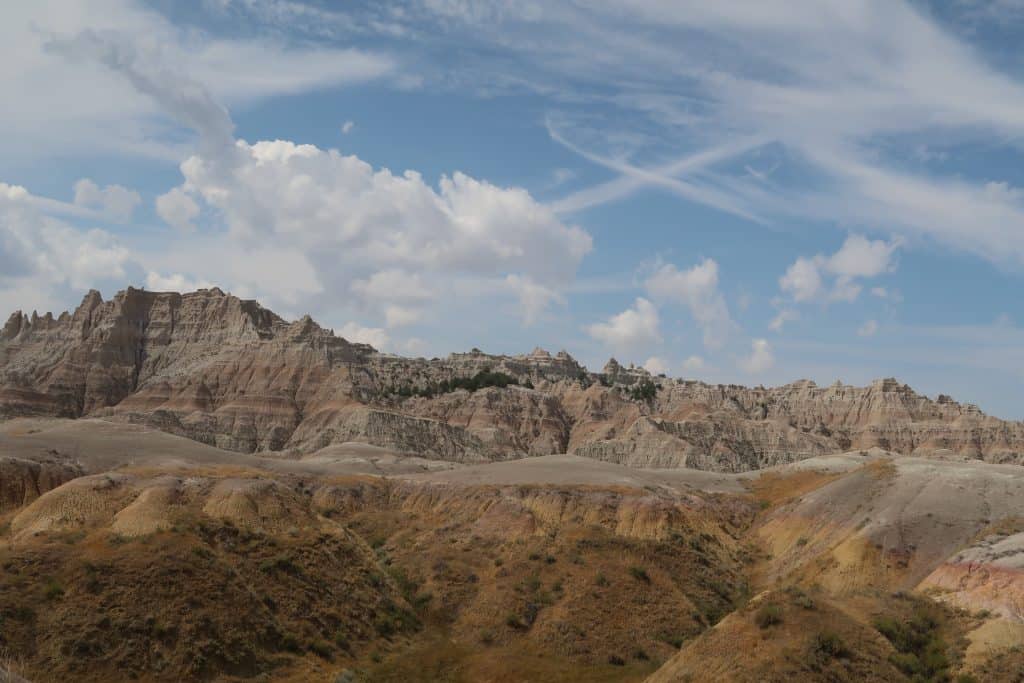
(227, 372)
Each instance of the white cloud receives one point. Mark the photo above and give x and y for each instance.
(858, 257)
(880, 292)
(374, 336)
(177, 209)
(114, 201)
(802, 280)
(760, 358)
(656, 365)
(392, 285)
(634, 328)
(333, 206)
(693, 364)
(534, 298)
(861, 257)
(174, 282)
(784, 316)
(697, 289)
(399, 316)
(414, 346)
(336, 223)
(868, 329)
(833, 96)
(43, 43)
(347, 127)
(44, 254)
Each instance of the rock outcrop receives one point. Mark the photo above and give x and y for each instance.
(230, 373)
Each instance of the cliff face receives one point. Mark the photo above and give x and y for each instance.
(230, 373)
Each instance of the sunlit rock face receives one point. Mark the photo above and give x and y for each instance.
(230, 373)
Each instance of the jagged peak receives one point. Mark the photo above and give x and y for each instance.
(612, 367)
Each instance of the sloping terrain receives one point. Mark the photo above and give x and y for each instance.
(231, 374)
(154, 557)
(204, 572)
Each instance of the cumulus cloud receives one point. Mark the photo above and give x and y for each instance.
(693, 364)
(348, 218)
(177, 209)
(383, 236)
(631, 329)
(374, 336)
(802, 280)
(394, 286)
(347, 127)
(534, 298)
(399, 316)
(41, 252)
(174, 282)
(114, 201)
(697, 289)
(656, 365)
(760, 358)
(835, 277)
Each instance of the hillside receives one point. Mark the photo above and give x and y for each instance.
(232, 374)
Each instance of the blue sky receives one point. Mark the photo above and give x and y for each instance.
(749, 192)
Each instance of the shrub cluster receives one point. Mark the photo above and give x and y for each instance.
(481, 380)
(921, 653)
(644, 390)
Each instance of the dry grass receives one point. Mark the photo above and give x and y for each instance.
(773, 489)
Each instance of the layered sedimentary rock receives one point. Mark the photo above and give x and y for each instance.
(230, 373)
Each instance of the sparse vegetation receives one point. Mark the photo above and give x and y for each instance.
(481, 380)
(53, 590)
(921, 652)
(828, 645)
(640, 574)
(322, 649)
(645, 390)
(768, 615)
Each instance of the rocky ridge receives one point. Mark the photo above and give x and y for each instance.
(230, 373)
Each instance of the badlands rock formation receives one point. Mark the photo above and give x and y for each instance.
(229, 373)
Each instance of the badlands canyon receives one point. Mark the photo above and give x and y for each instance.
(193, 488)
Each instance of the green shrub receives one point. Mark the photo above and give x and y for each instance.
(281, 563)
(203, 552)
(644, 390)
(829, 645)
(768, 615)
(616, 660)
(53, 591)
(640, 574)
(920, 649)
(321, 648)
(290, 643)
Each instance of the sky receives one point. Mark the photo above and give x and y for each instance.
(739, 192)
